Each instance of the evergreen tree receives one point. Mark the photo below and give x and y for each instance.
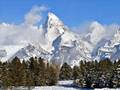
(65, 72)
(116, 77)
(52, 74)
(26, 78)
(81, 82)
(33, 68)
(106, 73)
(5, 78)
(31, 73)
(41, 72)
(76, 72)
(90, 74)
(16, 72)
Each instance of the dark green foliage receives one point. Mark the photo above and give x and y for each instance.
(76, 72)
(16, 72)
(30, 73)
(5, 79)
(116, 75)
(52, 74)
(65, 72)
(38, 72)
(99, 74)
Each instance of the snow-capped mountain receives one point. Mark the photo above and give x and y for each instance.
(65, 45)
(111, 49)
(8, 51)
(95, 33)
(53, 28)
(62, 45)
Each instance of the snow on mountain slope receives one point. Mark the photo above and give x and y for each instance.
(71, 51)
(96, 33)
(111, 49)
(68, 38)
(7, 51)
(116, 38)
(66, 46)
(101, 43)
(71, 55)
(53, 28)
(31, 51)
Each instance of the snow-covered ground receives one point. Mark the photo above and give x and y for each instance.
(66, 85)
(62, 85)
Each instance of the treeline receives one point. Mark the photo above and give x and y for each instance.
(38, 72)
(93, 74)
(34, 72)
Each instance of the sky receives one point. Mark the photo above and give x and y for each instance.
(71, 12)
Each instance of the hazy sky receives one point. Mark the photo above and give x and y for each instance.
(72, 12)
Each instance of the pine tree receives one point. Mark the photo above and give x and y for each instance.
(41, 72)
(116, 77)
(16, 72)
(105, 73)
(5, 78)
(33, 68)
(65, 72)
(52, 74)
(94, 73)
(81, 82)
(26, 75)
(76, 72)
(90, 75)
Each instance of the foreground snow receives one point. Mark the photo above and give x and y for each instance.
(66, 85)
(66, 88)
(54, 88)
(62, 85)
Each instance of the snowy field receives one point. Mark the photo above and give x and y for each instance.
(62, 85)
(66, 85)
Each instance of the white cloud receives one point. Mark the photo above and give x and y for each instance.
(35, 15)
(26, 31)
(84, 28)
(111, 30)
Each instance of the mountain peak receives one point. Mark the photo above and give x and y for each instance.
(53, 23)
(95, 24)
(54, 28)
(52, 19)
(52, 15)
(96, 32)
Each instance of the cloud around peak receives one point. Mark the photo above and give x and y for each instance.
(27, 31)
(96, 31)
(35, 15)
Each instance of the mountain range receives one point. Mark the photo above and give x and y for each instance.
(63, 45)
